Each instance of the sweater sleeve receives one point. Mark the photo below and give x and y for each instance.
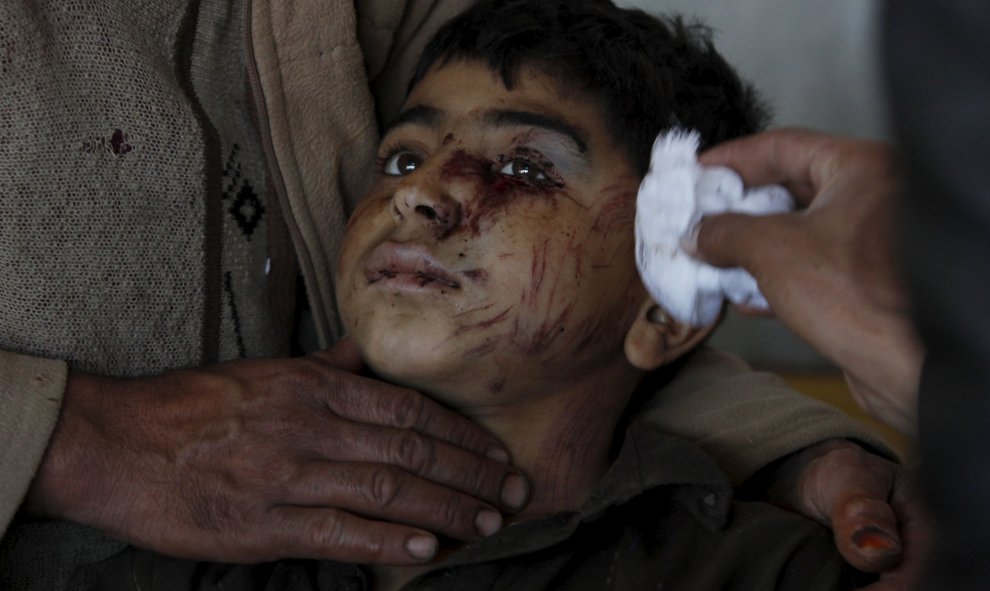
(747, 419)
(31, 392)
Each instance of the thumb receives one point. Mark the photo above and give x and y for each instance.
(849, 490)
(733, 239)
(343, 355)
(866, 533)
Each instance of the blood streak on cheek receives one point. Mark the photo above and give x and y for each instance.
(550, 329)
(488, 323)
(496, 385)
(494, 192)
(612, 227)
(618, 212)
(481, 350)
(538, 268)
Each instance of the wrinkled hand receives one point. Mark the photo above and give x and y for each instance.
(870, 504)
(255, 460)
(827, 270)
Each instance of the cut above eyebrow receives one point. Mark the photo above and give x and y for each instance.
(419, 115)
(504, 117)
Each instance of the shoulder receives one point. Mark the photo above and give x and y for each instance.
(745, 419)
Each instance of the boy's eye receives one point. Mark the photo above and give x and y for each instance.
(401, 164)
(523, 169)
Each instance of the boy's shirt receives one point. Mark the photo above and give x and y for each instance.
(662, 515)
(713, 385)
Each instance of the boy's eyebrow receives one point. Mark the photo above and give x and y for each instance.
(429, 116)
(500, 117)
(421, 115)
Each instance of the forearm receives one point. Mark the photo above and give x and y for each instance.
(31, 393)
(887, 388)
(875, 344)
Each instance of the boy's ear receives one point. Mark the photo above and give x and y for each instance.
(656, 339)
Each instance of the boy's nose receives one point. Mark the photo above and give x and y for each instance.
(428, 205)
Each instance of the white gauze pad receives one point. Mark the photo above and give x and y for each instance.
(673, 197)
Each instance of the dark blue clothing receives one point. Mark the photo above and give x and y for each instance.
(938, 65)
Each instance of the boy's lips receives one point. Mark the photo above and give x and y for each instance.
(410, 264)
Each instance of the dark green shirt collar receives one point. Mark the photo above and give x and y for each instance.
(647, 460)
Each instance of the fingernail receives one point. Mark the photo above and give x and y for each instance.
(498, 454)
(421, 547)
(515, 491)
(488, 522)
(875, 540)
(689, 240)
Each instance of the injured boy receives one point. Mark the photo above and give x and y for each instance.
(492, 266)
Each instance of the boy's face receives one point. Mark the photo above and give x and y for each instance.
(494, 254)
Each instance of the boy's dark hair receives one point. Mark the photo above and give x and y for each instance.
(647, 73)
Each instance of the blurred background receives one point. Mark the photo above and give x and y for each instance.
(817, 65)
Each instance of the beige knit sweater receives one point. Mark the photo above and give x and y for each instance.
(117, 173)
(136, 231)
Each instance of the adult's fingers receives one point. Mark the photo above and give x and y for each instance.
(333, 534)
(343, 355)
(387, 492)
(798, 159)
(915, 532)
(866, 532)
(742, 240)
(450, 466)
(366, 400)
(398, 428)
(850, 490)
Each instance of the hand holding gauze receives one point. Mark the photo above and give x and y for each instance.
(673, 197)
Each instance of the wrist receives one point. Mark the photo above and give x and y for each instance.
(67, 484)
(887, 387)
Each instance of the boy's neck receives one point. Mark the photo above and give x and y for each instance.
(562, 439)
